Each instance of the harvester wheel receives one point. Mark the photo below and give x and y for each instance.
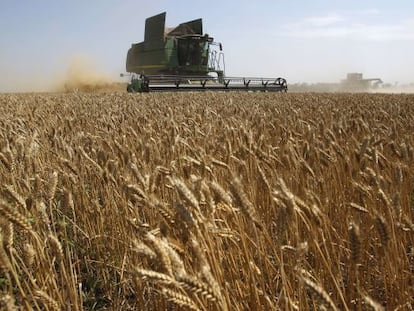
(283, 83)
(130, 89)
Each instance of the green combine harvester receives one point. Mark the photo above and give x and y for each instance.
(185, 59)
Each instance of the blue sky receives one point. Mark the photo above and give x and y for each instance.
(303, 41)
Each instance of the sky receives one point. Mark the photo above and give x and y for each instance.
(300, 40)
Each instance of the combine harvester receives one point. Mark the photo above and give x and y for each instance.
(185, 59)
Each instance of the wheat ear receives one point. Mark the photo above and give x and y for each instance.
(15, 196)
(355, 242)
(7, 303)
(7, 229)
(4, 260)
(196, 286)
(319, 293)
(29, 254)
(55, 247)
(243, 202)
(14, 216)
(154, 276)
(179, 299)
(161, 252)
(375, 306)
(382, 229)
(46, 300)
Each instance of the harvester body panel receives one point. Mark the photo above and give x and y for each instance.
(183, 50)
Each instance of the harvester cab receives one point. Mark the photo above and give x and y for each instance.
(183, 58)
(183, 50)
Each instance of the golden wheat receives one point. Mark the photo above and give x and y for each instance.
(141, 201)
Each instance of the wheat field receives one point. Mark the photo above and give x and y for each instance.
(206, 201)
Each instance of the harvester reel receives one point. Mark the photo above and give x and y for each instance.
(156, 83)
(283, 83)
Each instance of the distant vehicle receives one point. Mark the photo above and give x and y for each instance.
(355, 82)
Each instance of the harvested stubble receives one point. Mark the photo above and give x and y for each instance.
(207, 201)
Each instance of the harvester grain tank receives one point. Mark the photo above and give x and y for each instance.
(185, 59)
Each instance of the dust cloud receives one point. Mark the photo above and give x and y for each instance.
(78, 73)
(395, 89)
(83, 75)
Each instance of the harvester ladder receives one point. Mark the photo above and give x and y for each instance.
(216, 61)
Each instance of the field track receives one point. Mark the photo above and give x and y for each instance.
(206, 201)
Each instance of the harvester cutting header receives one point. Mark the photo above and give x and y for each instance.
(185, 59)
